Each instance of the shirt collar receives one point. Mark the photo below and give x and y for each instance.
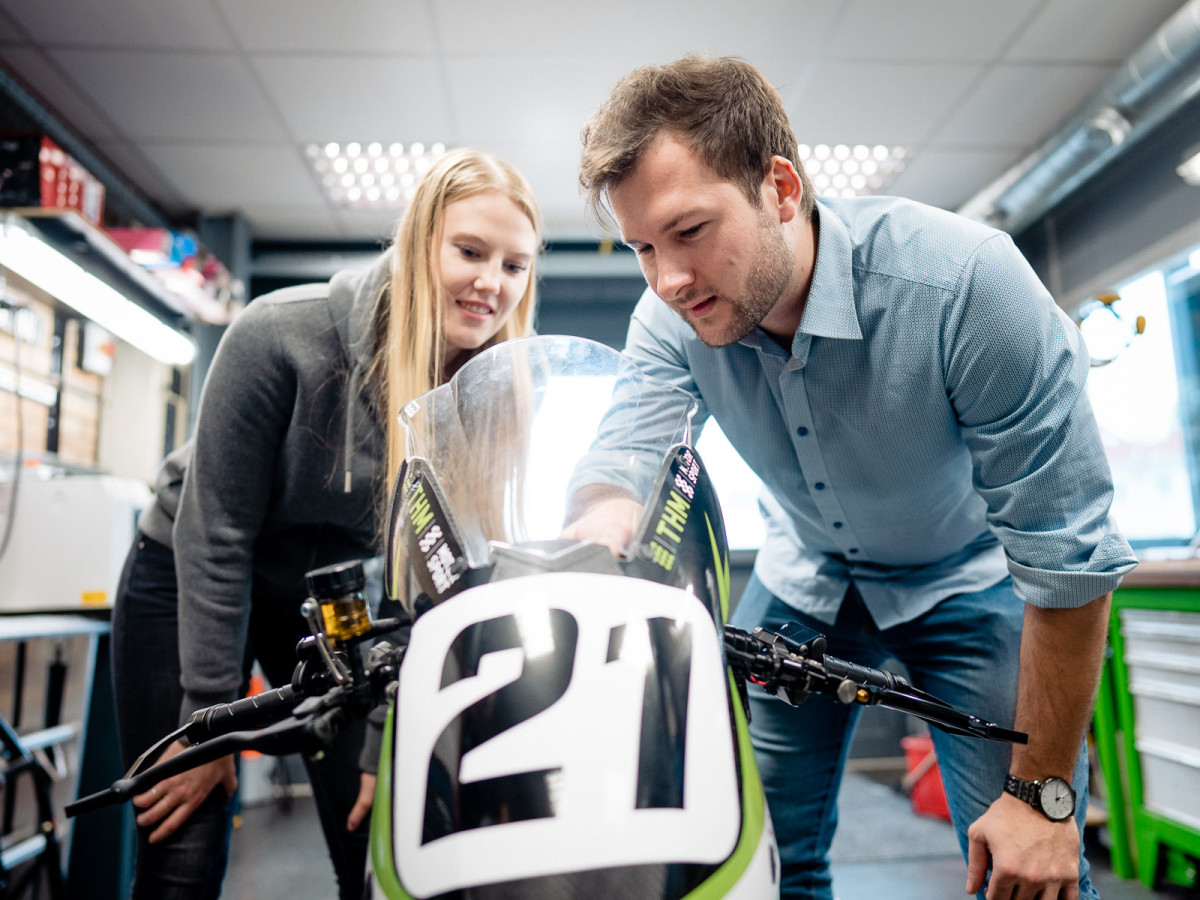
(830, 310)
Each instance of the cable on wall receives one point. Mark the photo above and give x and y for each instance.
(19, 459)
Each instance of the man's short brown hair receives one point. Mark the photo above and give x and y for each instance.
(725, 108)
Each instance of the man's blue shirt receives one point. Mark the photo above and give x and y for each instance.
(927, 434)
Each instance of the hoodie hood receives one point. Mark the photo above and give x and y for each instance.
(352, 298)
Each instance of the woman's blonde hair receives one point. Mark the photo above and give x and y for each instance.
(408, 357)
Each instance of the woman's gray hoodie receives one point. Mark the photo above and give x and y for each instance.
(280, 476)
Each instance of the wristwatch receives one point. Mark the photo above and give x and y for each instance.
(1053, 798)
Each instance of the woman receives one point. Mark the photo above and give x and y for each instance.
(296, 446)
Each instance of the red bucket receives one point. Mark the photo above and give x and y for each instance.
(923, 779)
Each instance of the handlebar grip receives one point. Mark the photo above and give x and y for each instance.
(839, 668)
(247, 713)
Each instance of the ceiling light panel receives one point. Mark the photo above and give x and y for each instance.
(372, 175)
(852, 170)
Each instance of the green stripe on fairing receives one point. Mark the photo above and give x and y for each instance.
(753, 801)
(720, 883)
(721, 564)
(383, 861)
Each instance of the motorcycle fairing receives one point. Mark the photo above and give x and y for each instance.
(576, 590)
(436, 548)
(567, 725)
(681, 539)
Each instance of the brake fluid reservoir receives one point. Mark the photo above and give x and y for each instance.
(338, 589)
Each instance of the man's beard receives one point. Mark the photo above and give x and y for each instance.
(769, 277)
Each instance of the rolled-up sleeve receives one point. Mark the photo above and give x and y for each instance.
(1016, 373)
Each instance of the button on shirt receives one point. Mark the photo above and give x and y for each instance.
(927, 434)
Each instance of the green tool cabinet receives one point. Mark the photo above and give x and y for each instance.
(1147, 724)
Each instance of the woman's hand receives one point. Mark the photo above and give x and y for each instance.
(362, 806)
(169, 803)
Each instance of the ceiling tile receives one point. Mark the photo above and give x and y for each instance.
(56, 92)
(130, 159)
(1097, 31)
(128, 24)
(229, 176)
(997, 111)
(949, 178)
(930, 30)
(534, 27)
(753, 29)
(493, 104)
(347, 98)
(173, 96)
(876, 103)
(362, 26)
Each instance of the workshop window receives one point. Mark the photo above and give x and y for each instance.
(1147, 404)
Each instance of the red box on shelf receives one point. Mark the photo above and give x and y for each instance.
(36, 172)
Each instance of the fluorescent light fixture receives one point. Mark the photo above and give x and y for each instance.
(1189, 169)
(371, 176)
(845, 170)
(40, 264)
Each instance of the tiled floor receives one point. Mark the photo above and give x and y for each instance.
(883, 851)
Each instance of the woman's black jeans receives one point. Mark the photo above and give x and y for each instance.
(145, 643)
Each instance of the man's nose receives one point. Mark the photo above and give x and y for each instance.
(672, 277)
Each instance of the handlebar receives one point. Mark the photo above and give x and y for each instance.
(306, 715)
(250, 712)
(302, 717)
(792, 664)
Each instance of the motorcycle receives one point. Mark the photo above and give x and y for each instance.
(566, 719)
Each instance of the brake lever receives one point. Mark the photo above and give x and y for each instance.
(306, 731)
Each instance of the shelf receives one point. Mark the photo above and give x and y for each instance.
(52, 222)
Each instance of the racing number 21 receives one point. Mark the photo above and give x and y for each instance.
(452, 805)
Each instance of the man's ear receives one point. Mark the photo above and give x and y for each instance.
(783, 188)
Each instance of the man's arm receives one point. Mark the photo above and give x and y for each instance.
(1061, 654)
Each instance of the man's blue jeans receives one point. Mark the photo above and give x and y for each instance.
(965, 651)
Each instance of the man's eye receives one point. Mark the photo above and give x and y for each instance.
(691, 232)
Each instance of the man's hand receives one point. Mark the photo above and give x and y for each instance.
(171, 802)
(607, 516)
(362, 805)
(1031, 856)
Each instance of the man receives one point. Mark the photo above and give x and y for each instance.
(914, 403)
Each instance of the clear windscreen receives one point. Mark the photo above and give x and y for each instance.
(525, 425)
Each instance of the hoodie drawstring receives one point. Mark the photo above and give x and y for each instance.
(351, 401)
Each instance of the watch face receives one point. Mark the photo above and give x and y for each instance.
(1057, 800)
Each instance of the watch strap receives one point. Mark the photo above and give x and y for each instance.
(1026, 791)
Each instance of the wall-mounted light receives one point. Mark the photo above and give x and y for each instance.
(1189, 169)
(40, 264)
(1105, 331)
